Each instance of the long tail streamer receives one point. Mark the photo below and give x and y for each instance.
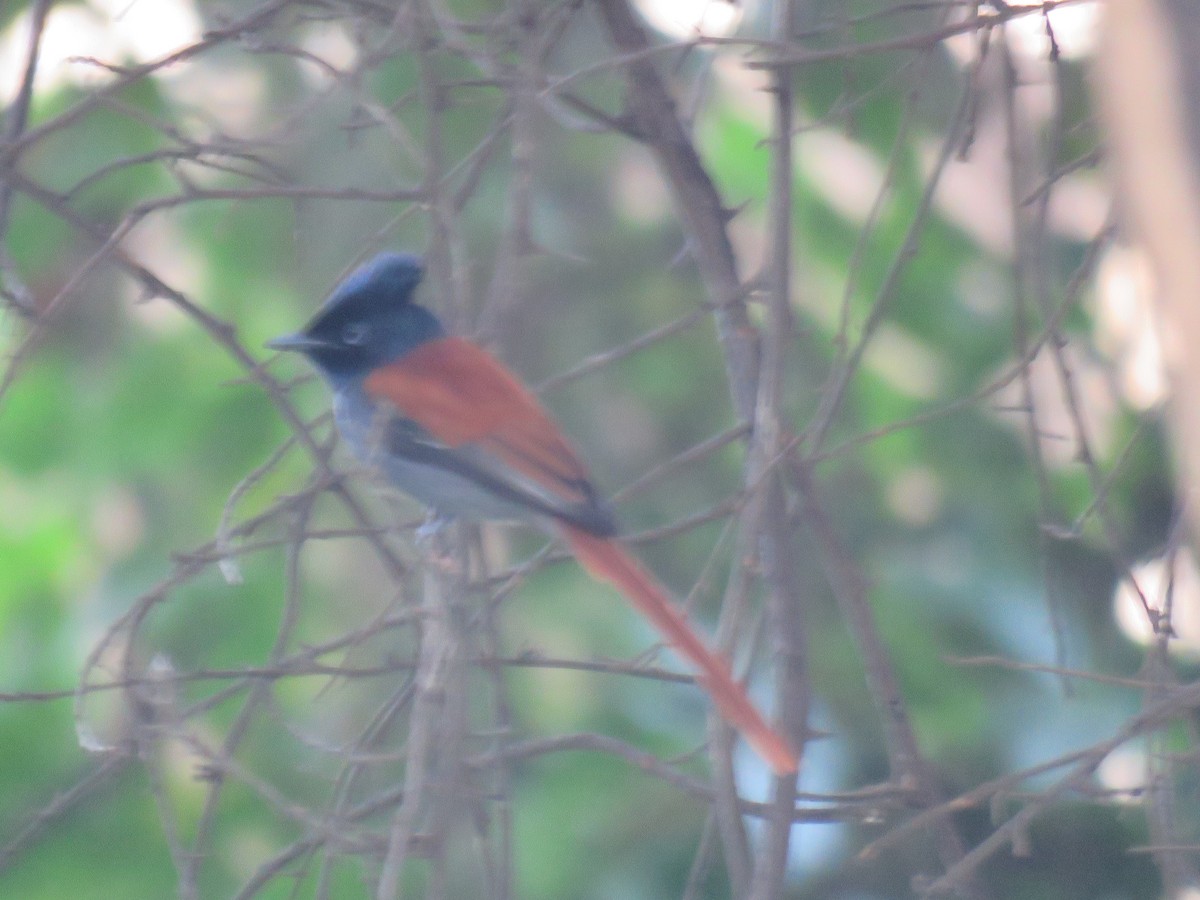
(606, 561)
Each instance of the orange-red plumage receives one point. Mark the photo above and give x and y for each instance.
(462, 395)
(606, 561)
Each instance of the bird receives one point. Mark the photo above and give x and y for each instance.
(444, 420)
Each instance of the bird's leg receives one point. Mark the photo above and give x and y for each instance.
(435, 523)
(434, 538)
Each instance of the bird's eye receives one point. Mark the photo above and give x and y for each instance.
(355, 333)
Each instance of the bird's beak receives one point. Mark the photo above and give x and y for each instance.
(299, 341)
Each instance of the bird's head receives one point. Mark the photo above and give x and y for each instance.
(370, 319)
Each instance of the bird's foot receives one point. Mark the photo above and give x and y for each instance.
(434, 538)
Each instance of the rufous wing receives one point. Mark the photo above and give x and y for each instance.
(461, 394)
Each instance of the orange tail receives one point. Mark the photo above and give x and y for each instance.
(606, 561)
